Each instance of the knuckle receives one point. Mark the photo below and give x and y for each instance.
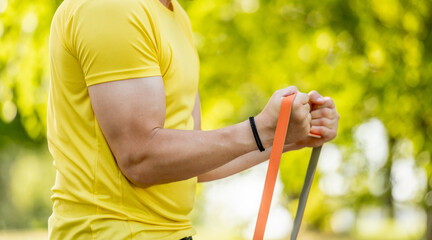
(333, 135)
(330, 101)
(325, 112)
(319, 122)
(324, 122)
(330, 136)
(300, 118)
(302, 108)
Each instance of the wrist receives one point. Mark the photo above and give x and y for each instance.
(290, 147)
(256, 134)
(265, 130)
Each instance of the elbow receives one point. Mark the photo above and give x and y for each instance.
(138, 166)
(137, 170)
(138, 179)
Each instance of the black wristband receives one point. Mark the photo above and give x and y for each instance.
(255, 133)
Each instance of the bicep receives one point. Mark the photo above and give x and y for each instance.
(128, 112)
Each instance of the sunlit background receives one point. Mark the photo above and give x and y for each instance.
(374, 57)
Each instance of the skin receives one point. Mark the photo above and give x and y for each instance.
(131, 114)
(147, 154)
(324, 122)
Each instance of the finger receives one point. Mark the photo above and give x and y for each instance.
(314, 135)
(308, 107)
(302, 114)
(328, 103)
(324, 113)
(310, 142)
(316, 142)
(320, 130)
(315, 98)
(308, 119)
(322, 122)
(324, 132)
(331, 124)
(302, 98)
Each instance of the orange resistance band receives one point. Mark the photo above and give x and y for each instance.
(272, 171)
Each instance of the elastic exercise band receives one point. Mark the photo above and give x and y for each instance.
(272, 171)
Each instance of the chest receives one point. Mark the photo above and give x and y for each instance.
(178, 58)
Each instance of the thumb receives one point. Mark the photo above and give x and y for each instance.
(315, 98)
(289, 91)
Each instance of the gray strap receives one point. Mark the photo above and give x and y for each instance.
(313, 162)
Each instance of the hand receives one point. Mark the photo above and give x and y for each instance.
(300, 122)
(325, 119)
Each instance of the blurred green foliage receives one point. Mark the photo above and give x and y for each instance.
(25, 165)
(374, 57)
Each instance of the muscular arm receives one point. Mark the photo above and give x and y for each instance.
(131, 114)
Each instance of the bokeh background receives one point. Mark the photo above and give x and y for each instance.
(374, 57)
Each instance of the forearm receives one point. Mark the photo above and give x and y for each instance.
(237, 165)
(173, 155)
(240, 164)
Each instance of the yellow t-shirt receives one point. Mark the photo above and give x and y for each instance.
(97, 41)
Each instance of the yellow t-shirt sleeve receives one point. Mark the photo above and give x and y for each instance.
(115, 41)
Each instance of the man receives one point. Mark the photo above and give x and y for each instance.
(124, 122)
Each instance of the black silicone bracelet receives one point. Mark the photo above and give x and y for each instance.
(255, 133)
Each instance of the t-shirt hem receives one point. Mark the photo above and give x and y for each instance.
(122, 75)
(181, 234)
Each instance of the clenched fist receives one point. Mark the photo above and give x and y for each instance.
(300, 123)
(325, 121)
